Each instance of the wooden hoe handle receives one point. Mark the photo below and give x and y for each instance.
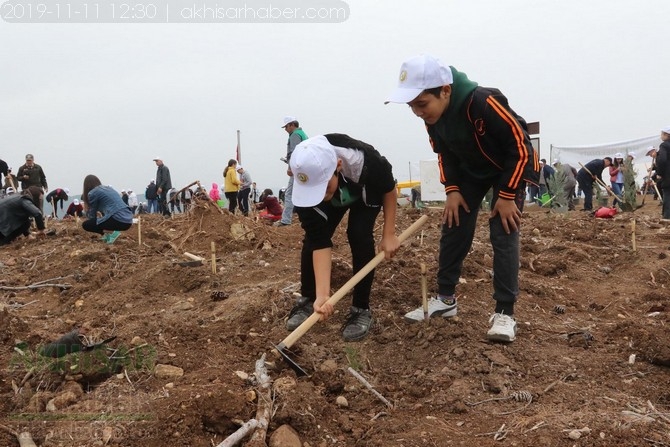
(337, 296)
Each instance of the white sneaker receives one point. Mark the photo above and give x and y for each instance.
(503, 329)
(436, 307)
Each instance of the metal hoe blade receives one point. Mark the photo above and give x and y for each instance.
(294, 366)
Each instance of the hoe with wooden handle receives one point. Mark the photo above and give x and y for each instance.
(601, 183)
(337, 296)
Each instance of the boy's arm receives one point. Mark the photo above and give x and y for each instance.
(519, 154)
(390, 242)
(322, 268)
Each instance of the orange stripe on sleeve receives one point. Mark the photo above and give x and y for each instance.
(517, 131)
(443, 179)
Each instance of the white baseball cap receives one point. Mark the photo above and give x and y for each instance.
(288, 120)
(239, 167)
(67, 190)
(618, 155)
(76, 202)
(313, 163)
(631, 154)
(157, 157)
(418, 74)
(666, 130)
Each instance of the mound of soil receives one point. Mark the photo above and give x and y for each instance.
(589, 366)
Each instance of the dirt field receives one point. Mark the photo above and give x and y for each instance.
(588, 304)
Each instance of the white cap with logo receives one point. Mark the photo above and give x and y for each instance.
(288, 120)
(418, 74)
(313, 163)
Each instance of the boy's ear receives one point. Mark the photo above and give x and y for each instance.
(446, 90)
(339, 165)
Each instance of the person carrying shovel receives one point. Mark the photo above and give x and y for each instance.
(588, 174)
(333, 174)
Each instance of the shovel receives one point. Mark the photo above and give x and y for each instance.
(335, 298)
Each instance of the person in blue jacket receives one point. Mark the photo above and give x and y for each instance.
(105, 210)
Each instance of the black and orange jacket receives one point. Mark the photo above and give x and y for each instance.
(480, 138)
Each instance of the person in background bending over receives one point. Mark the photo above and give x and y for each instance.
(16, 212)
(56, 196)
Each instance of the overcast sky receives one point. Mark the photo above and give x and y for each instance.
(105, 99)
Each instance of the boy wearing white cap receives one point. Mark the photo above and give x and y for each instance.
(481, 144)
(334, 173)
(663, 170)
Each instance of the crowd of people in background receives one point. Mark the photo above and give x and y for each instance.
(108, 212)
(588, 179)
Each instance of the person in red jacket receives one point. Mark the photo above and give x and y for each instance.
(75, 209)
(272, 209)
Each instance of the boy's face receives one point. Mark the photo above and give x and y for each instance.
(665, 136)
(430, 108)
(333, 183)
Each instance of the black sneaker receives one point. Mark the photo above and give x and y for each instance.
(357, 325)
(304, 307)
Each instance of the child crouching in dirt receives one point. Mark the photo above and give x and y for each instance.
(105, 210)
(481, 144)
(334, 173)
(270, 206)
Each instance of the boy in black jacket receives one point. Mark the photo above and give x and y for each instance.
(332, 174)
(481, 144)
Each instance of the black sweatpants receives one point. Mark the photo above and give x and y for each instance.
(361, 240)
(456, 241)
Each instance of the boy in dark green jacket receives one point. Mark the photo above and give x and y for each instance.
(481, 144)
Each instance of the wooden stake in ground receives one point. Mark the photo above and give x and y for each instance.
(632, 234)
(424, 293)
(25, 439)
(213, 258)
(139, 231)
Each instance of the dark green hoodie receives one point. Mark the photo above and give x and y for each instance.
(480, 138)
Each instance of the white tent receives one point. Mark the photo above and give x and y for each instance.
(573, 155)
